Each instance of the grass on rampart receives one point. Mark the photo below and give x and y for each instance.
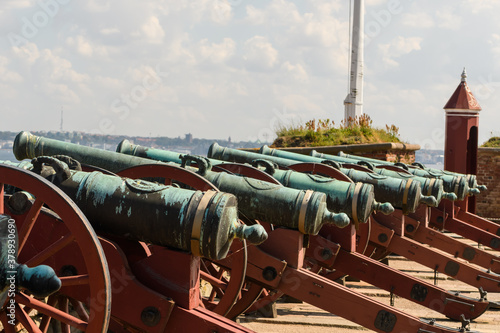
(493, 142)
(324, 133)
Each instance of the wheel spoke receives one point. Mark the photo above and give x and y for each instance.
(74, 280)
(50, 250)
(215, 282)
(8, 328)
(26, 320)
(45, 322)
(29, 222)
(51, 311)
(82, 312)
(64, 306)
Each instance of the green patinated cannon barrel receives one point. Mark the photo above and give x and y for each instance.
(356, 200)
(452, 183)
(403, 194)
(434, 186)
(203, 223)
(302, 210)
(419, 169)
(429, 188)
(41, 281)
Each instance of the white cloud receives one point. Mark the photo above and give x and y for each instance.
(301, 103)
(480, 6)
(277, 12)
(81, 44)
(222, 11)
(6, 75)
(296, 72)
(447, 20)
(97, 6)
(61, 93)
(109, 31)
(217, 53)
(398, 47)
(418, 20)
(10, 4)
(259, 54)
(152, 30)
(28, 53)
(55, 68)
(495, 44)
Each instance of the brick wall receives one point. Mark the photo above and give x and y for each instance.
(488, 173)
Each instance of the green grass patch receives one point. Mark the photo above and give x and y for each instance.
(493, 142)
(323, 132)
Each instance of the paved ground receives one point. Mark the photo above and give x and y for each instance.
(302, 317)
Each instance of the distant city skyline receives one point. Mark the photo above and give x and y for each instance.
(239, 68)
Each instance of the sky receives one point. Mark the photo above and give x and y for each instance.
(241, 68)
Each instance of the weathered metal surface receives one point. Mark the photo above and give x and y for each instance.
(302, 210)
(431, 184)
(401, 194)
(308, 211)
(41, 281)
(458, 183)
(204, 223)
(356, 200)
(428, 188)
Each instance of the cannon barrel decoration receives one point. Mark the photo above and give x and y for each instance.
(307, 209)
(203, 223)
(452, 182)
(356, 200)
(402, 194)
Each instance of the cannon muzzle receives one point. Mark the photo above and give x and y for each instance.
(428, 200)
(384, 208)
(450, 196)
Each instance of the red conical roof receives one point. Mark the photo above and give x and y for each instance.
(462, 98)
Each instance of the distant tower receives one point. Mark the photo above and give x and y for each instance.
(354, 101)
(461, 138)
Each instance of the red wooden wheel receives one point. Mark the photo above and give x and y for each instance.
(62, 238)
(224, 284)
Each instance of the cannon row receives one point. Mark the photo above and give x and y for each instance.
(147, 229)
